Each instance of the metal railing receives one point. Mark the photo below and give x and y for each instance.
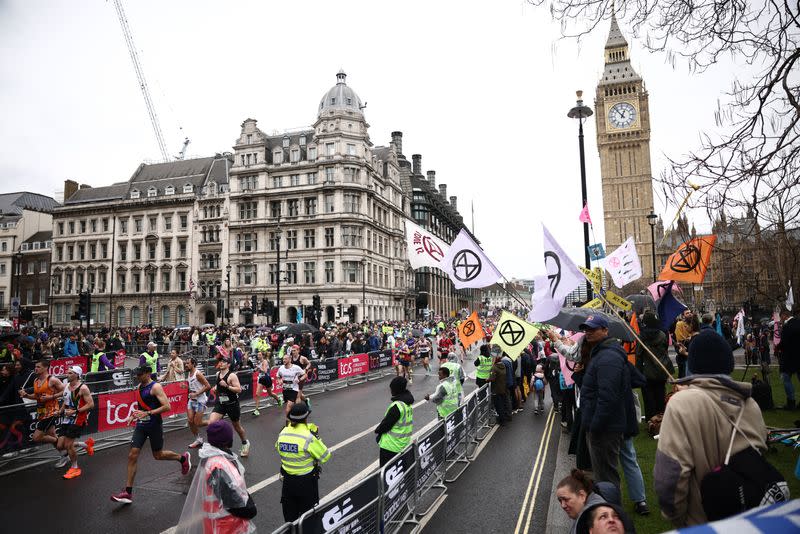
(391, 498)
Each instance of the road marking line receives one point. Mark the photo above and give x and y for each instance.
(539, 476)
(533, 474)
(425, 520)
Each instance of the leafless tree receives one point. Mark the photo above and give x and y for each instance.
(751, 163)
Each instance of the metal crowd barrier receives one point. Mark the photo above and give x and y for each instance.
(392, 498)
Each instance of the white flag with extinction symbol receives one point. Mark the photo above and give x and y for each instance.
(424, 249)
(623, 264)
(551, 289)
(467, 265)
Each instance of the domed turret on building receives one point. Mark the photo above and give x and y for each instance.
(340, 98)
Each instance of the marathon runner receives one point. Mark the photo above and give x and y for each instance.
(290, 375)
(196, 407)
(302, 362)
(424, 351)
(264, 383)
(227, 391)
(75, 410)
(152, 402)
(47, 390)
(404, 362)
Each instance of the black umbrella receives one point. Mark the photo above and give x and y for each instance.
(641, 302)
(295, 329)
(571, 319)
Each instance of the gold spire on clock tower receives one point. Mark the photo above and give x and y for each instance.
(623, 141)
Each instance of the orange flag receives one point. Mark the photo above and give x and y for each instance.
(470, 330)
(690, 262)
(630, 347)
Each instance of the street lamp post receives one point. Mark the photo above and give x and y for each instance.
(651, 220)
(582, 112)
(228, 294)
(150, 282)
(363, 289)
(17, 273)
(278, 235)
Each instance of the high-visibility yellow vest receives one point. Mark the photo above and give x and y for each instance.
(450, 402)
(151, 361)
(399, 437)
(300, 449)
(455, 376)
(95, 362)
(484, 367)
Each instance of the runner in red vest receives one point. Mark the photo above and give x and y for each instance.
(78, 403)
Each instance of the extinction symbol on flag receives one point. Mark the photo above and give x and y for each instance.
(466, 265)
(554, 278)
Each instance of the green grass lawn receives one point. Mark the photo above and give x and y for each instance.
(783, 457)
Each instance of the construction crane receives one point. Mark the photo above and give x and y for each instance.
(123, 21)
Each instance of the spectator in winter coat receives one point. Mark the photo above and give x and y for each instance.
(788, 351)
(605, 389)
(656, 340)
(502, 403)
(71, 346)
(697, 427)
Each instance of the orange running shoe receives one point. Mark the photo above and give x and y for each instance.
(73, 472)
(90, 447)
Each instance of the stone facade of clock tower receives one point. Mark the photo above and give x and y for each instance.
(623, 141)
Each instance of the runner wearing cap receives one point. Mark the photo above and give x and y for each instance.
(302, 362)
(227, 391)
(152, 402)
(75, 410)
(301, 452)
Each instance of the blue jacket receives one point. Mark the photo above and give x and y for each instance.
(70, 348)
(606, 389)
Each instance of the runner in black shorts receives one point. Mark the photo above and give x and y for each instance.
(227, 391)
(264, 383)
(290, 376)
(152, 402)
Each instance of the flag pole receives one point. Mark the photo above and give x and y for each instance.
(517, 296)
(670, 378)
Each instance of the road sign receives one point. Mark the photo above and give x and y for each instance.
(14, 306)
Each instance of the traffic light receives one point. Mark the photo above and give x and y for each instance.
(269, 308)
(220, 307)
(83, 304)
(263, 309)
(317, 302)
(351, 311)
(254, 303)
(338, 310)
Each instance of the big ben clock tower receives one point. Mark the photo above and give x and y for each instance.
(623, 140)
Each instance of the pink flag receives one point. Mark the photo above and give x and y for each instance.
(585, 218)
(565, 371)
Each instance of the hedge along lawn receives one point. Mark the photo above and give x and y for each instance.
(783, 457)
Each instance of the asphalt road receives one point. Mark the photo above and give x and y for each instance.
(83, 504)
(507, 488)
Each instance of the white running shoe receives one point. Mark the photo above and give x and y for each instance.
(244, 452)
(198, 442)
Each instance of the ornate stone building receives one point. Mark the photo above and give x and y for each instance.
(623, 141)
(140, 245)
(25, 220)
(333, 204)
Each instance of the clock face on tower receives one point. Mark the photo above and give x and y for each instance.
(622, 115)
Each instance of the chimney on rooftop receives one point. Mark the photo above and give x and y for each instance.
(416, 164)
(432, 179)
(86, 186)
(70, 186)
(453, 201)
(443, 191)
(397, 139)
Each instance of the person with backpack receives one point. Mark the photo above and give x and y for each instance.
(712, 428)
(539, 381)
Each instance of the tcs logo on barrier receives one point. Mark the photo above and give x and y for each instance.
(115, 408)
(353, 365)
(424, 457)
(394, 475)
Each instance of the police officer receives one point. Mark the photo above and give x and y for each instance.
(483, 366)
(301, 452)
(446, 396)
(150, 359)
(393, 434)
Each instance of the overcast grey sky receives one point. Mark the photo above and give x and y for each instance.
(480, 89)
